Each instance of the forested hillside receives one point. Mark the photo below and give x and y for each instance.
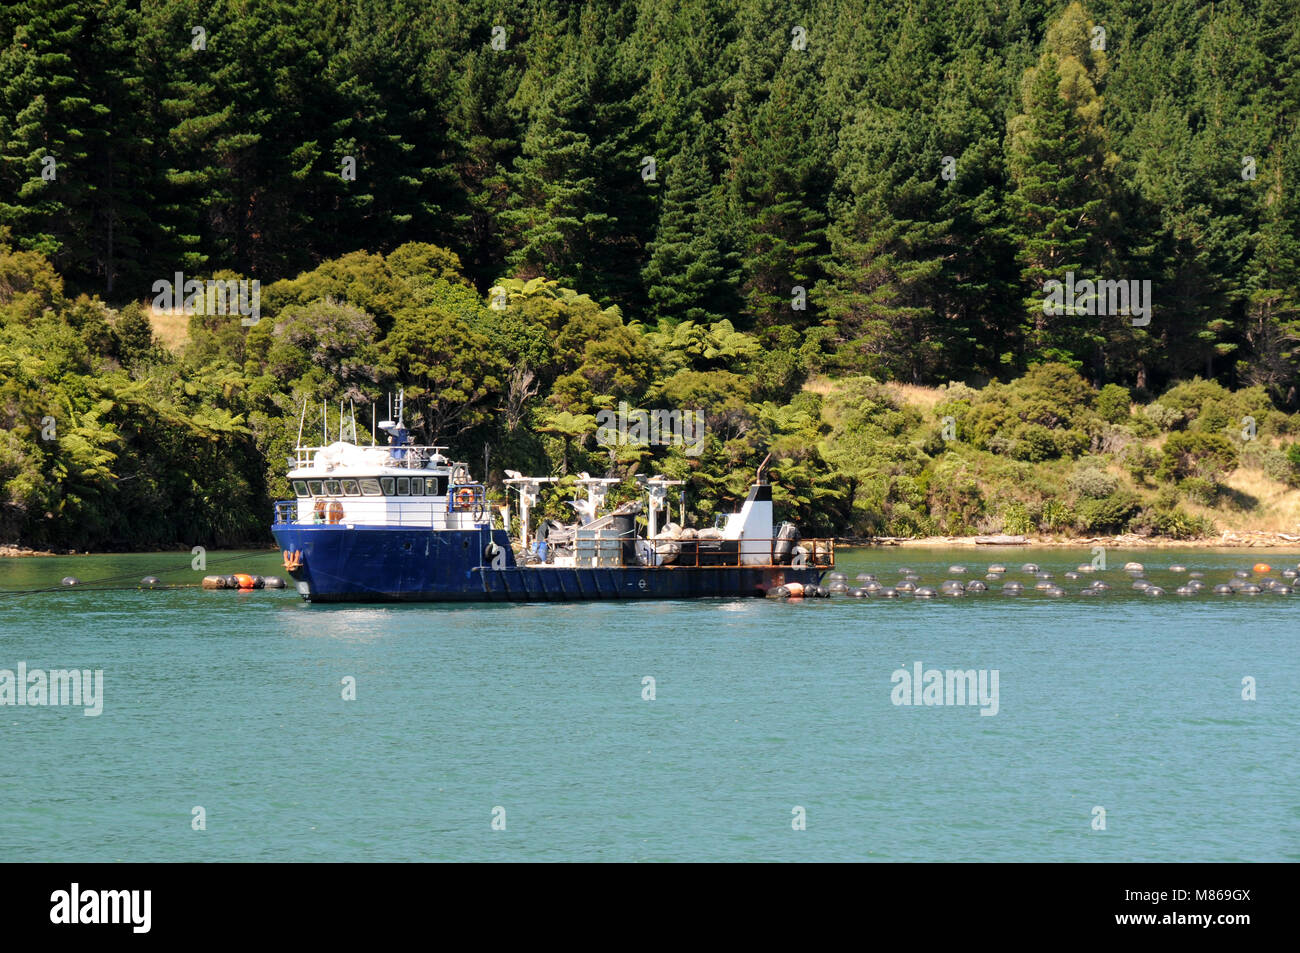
(526, 212)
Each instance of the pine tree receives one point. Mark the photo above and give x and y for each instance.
(488, 132)
(44, 112)
(580, 204)
(778, 192)
(1060, 165)
(691, 272)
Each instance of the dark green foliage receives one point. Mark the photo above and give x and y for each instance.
(1107, 514)
(1196, 454)
(919, 171)
(804, 226)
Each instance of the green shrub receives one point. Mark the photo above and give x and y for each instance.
(1143, 427)
(1058, 386)
(1056, 517)
(1177, 523)
(906, 521)
(958, 506)
(1034, 443)
(1000, 444)
(1166, 498)
(1113, 404)
(1200, 490)
(1108, 514)
(933, 444)
(1276, 464)
(1198, 454)
(1279, 466)
(1016, 520)
(1190, 396)
(1214, 417)
(1092, 482)
(1070, 443)
(1163, 417)
(1141, 463)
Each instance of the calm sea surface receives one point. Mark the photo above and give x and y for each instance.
(233, 702)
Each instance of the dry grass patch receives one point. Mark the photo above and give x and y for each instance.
(923, 397)
(171, 328)
(1278, 508)
(819, 385)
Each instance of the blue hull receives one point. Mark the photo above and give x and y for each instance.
(407, 564)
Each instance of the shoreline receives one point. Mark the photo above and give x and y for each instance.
(10, 551)
(1226, 540)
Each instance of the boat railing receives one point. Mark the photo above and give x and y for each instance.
(707, 553)
(779, 553)
(335, 510)
(408, 456)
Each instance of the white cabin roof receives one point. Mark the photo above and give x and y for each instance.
(346, 460)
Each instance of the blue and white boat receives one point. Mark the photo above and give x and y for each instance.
(403, 523)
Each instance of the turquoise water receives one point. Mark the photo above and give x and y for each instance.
(233, 702)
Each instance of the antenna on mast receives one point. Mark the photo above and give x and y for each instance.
(302, 419)
(353, 407)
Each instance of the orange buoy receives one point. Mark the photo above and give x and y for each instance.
(796, 589)
(1263, 567)
(244, 579)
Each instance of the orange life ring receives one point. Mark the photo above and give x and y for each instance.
(464, 498)
(335, 511)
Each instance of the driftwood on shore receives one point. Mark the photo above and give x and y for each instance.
(1001, 539)
(8, 550)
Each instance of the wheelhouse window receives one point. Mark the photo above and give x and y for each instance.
(389, 485)
(300, 488)
(332, 488)
(369, 487)
(317, 488)
(417, 486)
(350, 488)
(403, 486)
(437, 486)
